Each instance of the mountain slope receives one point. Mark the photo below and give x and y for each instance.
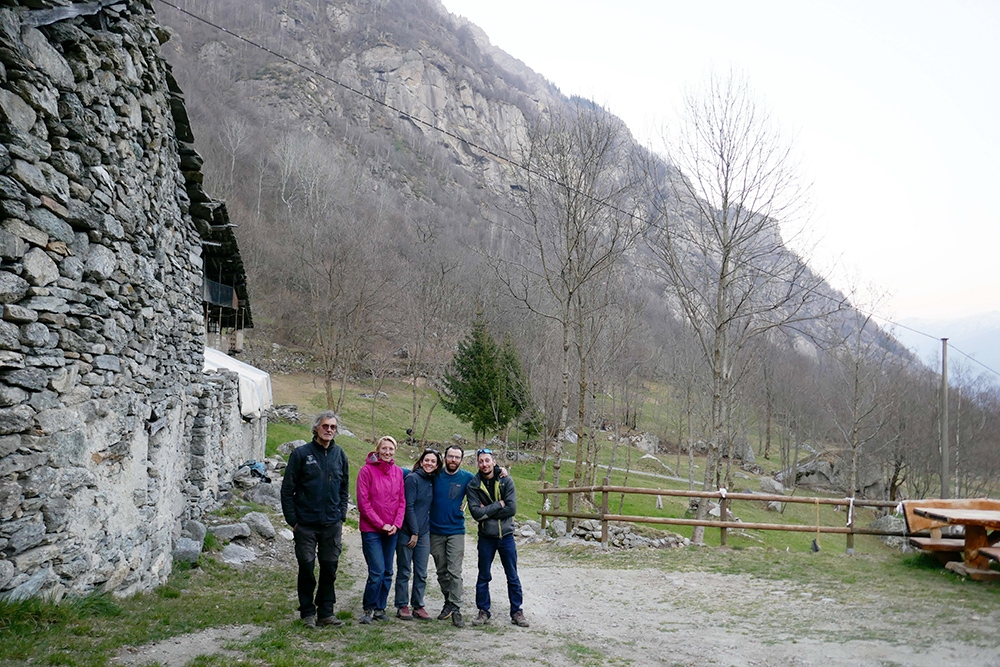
(356, 124)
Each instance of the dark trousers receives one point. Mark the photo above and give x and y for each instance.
(488, 548)
(326, 540)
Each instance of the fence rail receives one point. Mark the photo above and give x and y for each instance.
(724, 498)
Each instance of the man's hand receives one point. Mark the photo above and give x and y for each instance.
(503, 471)
(412, 542)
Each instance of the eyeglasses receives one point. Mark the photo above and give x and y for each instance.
(329, 427)
(429, 451)
(484, 451)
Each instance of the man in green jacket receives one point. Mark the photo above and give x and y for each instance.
(493, 503)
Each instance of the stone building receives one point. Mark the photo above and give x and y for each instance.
(111, 433)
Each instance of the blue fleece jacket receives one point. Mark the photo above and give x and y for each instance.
(447, 517)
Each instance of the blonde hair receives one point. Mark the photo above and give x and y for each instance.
(384, 438)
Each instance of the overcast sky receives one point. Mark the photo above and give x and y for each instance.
(893, 107)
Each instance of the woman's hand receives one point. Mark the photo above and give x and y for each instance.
(389, 529)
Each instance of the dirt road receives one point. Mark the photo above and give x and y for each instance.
(588, 616)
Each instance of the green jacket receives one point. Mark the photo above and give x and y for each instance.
(493, 520)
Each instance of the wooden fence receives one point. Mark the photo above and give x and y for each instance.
(724, 498)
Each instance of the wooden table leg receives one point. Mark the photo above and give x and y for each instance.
(975, 537)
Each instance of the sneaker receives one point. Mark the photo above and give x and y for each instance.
(482, 618)
(379, 615)
(445, 613)
(518, 619)
(309, 621)
(366, 617)
(421, 614)
(456, 619)
(330, 620)
(404, 613)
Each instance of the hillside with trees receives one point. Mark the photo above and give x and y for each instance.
(398, 183)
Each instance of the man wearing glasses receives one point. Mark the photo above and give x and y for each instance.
(493, 503)
(448, 532)
(314, 502)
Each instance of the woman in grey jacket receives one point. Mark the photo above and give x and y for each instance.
(414, 545)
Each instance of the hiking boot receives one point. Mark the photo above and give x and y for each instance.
(309, 621)
(456, 619)
(366, 617)
(421, 614)
(519, 619)
(379, 615)
(330, 620)
(445, 613)
(404, 613)
(482, 618)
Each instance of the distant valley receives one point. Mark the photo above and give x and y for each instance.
(977, 335)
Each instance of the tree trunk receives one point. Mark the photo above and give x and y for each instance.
(581, 420)
(563, 411)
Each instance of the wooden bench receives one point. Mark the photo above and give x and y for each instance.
(993, 553)
(943, 548)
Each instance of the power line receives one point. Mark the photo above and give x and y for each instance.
(527, 168)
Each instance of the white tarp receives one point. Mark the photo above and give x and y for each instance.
(255, 384)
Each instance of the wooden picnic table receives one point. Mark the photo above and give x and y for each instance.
(976, 523)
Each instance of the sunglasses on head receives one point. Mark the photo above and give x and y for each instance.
(484, 451)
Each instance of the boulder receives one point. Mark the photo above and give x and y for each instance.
(237, 555)
(231, 531)
(260, 524)
(194, 530)
(772, 486)
(894, 524)
(186, 550)
(265, 494)
(557, 528)
(286, 448)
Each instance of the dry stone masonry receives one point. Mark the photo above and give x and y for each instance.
(111, 435)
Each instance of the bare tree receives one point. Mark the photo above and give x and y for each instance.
(716, 238)
(860, 405)
(571, 222)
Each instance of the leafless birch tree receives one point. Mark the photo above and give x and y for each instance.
(716, 238)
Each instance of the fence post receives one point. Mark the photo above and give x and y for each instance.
(545, 497)
(723, 537)
(604, 521)
(850, 524)
(570, 504)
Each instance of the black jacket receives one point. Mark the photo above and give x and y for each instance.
(493, 520)
(314, 489)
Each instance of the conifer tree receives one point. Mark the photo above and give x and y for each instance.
(485, 386)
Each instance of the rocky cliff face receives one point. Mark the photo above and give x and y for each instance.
(103, 402)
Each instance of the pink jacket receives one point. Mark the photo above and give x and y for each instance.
(380, 494)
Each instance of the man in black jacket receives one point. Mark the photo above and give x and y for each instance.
(314, 502)
(493, 503)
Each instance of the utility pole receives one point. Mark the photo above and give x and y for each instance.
(944, 419)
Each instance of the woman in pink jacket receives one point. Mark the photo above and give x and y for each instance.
(382, 503)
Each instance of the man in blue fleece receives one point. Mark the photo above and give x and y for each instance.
(448, 531)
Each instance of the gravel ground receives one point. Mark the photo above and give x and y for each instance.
(587, 616)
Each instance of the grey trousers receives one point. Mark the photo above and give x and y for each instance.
(448, 552)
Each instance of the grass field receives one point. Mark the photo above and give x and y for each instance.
(393, 416)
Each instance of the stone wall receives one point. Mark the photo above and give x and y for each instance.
(110, 433)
